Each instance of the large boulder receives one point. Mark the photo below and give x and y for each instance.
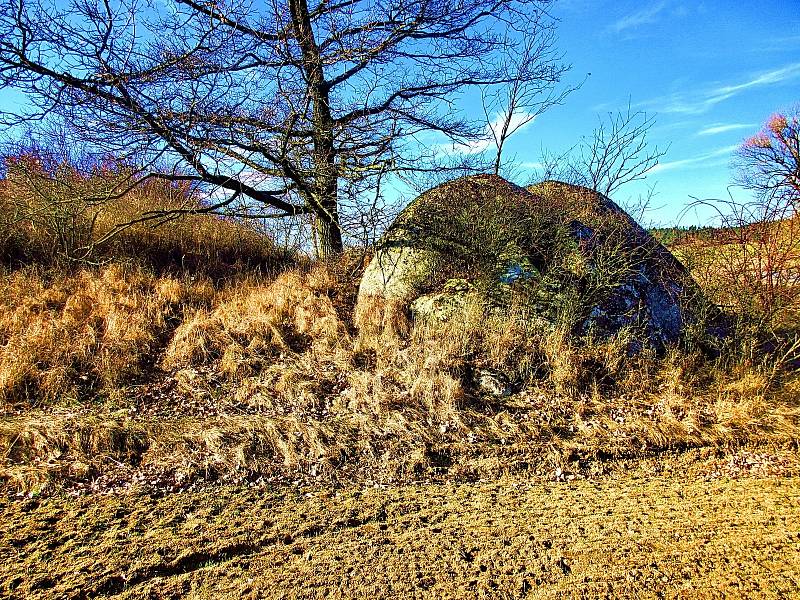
(571, 254)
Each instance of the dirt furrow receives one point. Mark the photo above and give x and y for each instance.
(628, 537)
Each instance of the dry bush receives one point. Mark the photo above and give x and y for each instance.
(753, 264)
(200, 244)
(751, 269)
(77, 336)
(52, 212)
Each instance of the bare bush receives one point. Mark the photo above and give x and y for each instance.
(533, 74)
(617, 152)
(57, 209)
(750, 265)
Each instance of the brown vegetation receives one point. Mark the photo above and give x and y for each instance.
(172, 368)
(266, 378)
(68, 338)
(53, 213)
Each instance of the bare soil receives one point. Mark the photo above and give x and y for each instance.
(627, 536)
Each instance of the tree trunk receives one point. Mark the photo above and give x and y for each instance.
(327, 231)
(325, 189)
(328, 236)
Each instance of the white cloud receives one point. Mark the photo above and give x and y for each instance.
(519, 121)
(642, 17)
(703, 101)
(769, 77)
(703, 160)
(576, 6)
(722, 128)
(471, 147)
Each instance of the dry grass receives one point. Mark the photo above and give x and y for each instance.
(172, 368)
(294, 393)
(76, 336)
(39, 448)
(255, 322)
(200, 244)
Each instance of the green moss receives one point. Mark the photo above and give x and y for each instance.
(479, 228)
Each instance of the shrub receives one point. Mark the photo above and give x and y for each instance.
(55, 213)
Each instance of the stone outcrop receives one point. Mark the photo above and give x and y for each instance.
(572, 254)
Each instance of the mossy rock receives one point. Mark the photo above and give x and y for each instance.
(451, 302)
(570, 254)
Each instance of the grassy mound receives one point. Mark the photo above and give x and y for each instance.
(118, 376)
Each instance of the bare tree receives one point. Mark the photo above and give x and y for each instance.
(617, 152)
(533, 74)
(769, 162)
(279, 108)
(754, 268)
(556, 166)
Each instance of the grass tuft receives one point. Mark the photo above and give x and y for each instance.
(121, 369)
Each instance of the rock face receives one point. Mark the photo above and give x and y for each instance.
(571, 254)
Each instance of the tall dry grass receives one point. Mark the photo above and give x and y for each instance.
(297, 392)
(72, 337)
(40, 448)
(255, 322)
(402, 406)
(301, 381)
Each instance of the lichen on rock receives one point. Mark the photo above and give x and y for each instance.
(572, 256)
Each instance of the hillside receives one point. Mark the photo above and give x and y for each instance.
(214, 416)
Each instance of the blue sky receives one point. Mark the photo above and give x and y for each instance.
(711, 72)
